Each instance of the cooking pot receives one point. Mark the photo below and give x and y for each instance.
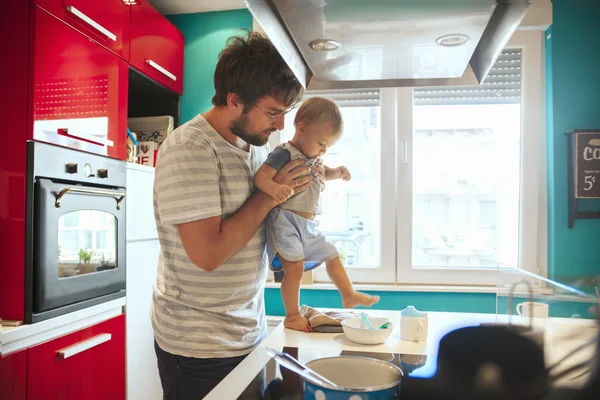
(357, 378)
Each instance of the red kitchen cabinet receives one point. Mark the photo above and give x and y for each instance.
(106, 21)
(14, 31)
(156, 46)
(13, 376)
(88, 364)
(79, 89)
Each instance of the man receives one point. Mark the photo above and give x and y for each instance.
(208, 306)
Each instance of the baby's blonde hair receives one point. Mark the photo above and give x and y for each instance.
(319, 109)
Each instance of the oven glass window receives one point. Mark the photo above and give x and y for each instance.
(87, 243)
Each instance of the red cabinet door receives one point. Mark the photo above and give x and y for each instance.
(88, 364)
(106, 21)
(79, 90)
(14, 31)
(13, 376)
(156, 46)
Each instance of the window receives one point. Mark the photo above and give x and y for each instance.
(469, 188)
(353, 211)
(445, 181)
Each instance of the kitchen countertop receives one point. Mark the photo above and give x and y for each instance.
(13, 339)
(559, 341)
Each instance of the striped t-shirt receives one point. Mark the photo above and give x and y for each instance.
(197, 313)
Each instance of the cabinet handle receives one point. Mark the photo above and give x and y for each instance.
(66, 190)
(92, 23)
(161, 69)
(83, 346)
(89, 139)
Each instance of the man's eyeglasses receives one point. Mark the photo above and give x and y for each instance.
(273, 115)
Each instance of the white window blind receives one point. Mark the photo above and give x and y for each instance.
(501, 86)
(347, 97)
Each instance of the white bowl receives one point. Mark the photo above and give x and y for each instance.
(356, 333)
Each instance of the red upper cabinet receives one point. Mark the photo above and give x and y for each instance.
(14, 31)
(79, 90)
(156, 46)
(13, 376)
(106, 21)
(88, 364)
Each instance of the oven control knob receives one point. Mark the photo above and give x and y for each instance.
(103, 173)
(87, 171)
(71, 168)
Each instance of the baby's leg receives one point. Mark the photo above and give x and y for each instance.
(350, 297)
(290, 293)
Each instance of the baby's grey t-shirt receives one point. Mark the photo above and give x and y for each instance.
(307, 201)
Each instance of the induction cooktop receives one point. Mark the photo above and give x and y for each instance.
(281, 384)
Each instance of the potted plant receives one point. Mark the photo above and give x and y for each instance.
(85, 259)
(105, 264)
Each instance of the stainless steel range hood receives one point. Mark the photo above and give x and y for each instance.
(348, 44)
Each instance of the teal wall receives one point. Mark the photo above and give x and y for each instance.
(429, 301)
(456, 302)
(205, 36)
(573, 89)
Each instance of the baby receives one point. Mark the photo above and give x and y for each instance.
(292, 233)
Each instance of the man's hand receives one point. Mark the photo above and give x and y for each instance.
(289, 175)
(282, 193)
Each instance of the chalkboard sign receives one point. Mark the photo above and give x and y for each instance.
(587, 165)
(584, 171)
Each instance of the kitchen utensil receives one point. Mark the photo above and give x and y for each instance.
(413, 325)
(532, 309)
(355, 330)
(294, 365)
(386, 325)
(365, 319)
(357, 378)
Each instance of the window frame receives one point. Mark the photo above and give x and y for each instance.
(533, 188)
(386, 271)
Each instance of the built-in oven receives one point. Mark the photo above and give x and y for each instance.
(75, 230)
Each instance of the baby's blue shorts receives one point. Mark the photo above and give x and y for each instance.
(296, 238)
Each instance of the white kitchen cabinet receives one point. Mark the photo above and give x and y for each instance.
(140, 206)
(143, 248)
(143, 382)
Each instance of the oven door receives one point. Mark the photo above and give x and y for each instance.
(79, 245)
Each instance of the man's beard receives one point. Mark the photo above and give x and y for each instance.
(239, 128)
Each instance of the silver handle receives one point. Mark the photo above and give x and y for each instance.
(294, 365)
(83, 346)
(92, 23)
(161, 69)
(66, 190)
(404, 158)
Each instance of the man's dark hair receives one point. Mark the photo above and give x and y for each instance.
(251, 67)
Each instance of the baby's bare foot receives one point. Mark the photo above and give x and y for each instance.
(297, 322)
(359, 299)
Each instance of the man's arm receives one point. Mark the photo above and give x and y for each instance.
(211, 241)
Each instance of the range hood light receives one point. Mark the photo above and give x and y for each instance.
(452, 40)
(325, 45)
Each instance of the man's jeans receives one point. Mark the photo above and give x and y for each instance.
(187, 378)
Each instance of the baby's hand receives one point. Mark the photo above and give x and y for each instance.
(344, 173)
(282, 193)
